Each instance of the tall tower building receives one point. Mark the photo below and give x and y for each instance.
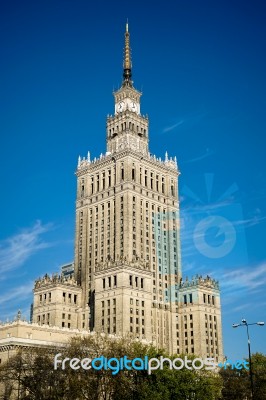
(127, 236)
(127, 244)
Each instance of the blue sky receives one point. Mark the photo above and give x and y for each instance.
(201, 68)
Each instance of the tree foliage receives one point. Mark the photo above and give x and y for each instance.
(30, 375)
(237, 384)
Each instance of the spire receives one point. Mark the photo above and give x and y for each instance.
(127, 60)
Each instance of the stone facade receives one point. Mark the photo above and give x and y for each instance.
(199, 328)
(57, 302)
(21, 334)
(121, 288)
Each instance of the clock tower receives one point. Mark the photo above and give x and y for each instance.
(127, 129)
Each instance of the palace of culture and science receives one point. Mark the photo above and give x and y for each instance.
(127, 277)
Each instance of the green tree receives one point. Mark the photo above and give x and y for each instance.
(259, 375)
(31, 374)
(237, 384)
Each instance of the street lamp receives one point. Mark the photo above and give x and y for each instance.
(244, 323)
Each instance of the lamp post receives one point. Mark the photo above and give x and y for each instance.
(244, 323)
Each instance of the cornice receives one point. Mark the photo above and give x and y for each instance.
(106, 160)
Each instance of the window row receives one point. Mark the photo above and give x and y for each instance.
(137, 311)
(137, 282)
(70, 298)
(137, 302)
(108, 311)
(44, 319)
(137, 330)
(106, 179)
(188, 298)
(107, 321)
(109, 282)
(127, 125)
(208, 299)
(108, 303)
(45, 297)
(137, 320)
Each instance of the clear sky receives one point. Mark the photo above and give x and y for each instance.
(201, 67)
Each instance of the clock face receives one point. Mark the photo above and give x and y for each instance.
(121, 106)
(133, 106)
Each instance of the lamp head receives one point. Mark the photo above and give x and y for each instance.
(261, 323)
(235, 325)
(244, 321)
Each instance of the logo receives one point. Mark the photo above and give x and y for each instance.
(140, 364)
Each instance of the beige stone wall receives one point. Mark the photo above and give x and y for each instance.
(125, 223)
(200, 328)
(123, 300)
(23, 334)
(59, 304)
